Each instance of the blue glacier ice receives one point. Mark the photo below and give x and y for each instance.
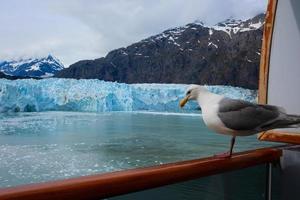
(100, 96)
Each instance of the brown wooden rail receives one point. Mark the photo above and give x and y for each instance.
(123, 182)
(280, 136)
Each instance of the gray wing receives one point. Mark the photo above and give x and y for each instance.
(243, 115)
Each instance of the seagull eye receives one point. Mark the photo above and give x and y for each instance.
(188, 92)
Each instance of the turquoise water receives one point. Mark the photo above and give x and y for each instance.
(36, 147)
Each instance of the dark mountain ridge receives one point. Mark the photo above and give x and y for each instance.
(227, 53)
(2, 75)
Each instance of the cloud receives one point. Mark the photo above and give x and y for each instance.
(78, 29)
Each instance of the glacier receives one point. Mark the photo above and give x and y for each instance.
(56, 94)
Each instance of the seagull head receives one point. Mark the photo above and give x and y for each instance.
(192, 93)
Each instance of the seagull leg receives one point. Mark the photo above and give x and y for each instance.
(229, 153)
(231, 145)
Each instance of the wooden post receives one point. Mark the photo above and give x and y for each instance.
(266, 52)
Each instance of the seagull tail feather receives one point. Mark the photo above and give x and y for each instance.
(289, 121)
(293, 121)
(286, 121)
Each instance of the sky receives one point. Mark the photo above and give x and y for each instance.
(74, 30)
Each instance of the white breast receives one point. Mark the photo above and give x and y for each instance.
(210, 107)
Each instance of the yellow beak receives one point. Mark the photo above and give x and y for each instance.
(183, 101)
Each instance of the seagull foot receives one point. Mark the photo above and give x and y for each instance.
(225, 155)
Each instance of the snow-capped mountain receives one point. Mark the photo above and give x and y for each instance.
(232, 26)
(227, 53)
(32, 67)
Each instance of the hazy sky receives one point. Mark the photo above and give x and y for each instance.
(73, 30)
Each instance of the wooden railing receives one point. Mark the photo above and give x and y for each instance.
(280, 136)
(123, 182)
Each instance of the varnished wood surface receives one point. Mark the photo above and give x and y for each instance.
(266, 52)
(280, 136)
(274, 136)
(117, 183)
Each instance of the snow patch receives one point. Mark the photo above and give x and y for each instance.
(256, 25)
(171, 38)
(211, 43)
(175, 43)
(35, 67)
(47, 75)
(224, 29)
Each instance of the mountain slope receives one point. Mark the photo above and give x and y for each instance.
(227, 54)
(42, 67)
(9, 77)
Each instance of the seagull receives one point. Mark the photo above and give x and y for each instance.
(237, 117)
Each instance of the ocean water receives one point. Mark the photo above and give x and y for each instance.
(42, 146)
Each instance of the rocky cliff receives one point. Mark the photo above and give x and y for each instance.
(227, 53)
